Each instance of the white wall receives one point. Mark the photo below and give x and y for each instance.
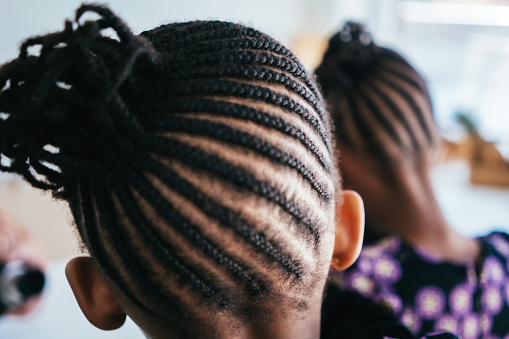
(282, 19)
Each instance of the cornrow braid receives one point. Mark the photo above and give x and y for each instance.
(378, 93)
(228, 134)
(247, 72)
(219, 87)
(244, 112)
(196, 158)
(197, 39)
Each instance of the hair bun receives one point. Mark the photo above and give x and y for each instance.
(351, 51)
(353, 34)
(44, 97)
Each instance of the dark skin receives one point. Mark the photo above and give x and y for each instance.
(399, 199)
(106, 307)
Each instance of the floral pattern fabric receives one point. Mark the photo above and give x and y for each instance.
(426, 294)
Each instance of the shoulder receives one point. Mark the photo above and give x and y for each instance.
(347, 314)
(499, 241)
(377, 265)
(383, 251)
(387, 247)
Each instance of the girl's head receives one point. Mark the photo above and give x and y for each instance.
(380, 104)
(198, 164)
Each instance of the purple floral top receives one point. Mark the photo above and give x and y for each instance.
(470, 300)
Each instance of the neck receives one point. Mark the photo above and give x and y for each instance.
(305, 325)
(274, 323)
(408, 208)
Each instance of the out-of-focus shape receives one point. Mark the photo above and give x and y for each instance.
(18, 283)
(309, 48)
(487, 164)
(22, 266)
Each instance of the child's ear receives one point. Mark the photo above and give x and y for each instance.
(349, 230)
(95, 299)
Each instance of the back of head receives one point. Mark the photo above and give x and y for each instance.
(196, 160)
(380, 104)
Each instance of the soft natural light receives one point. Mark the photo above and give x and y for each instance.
(454, 13)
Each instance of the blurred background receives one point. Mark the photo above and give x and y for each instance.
(460, 46)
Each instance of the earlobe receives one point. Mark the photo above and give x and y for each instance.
(95, 299)
(349, 230)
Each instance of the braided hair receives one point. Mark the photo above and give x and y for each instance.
(380, 105)
(196, 158)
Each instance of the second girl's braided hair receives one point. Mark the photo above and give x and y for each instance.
(196, 158)
(379, 103)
